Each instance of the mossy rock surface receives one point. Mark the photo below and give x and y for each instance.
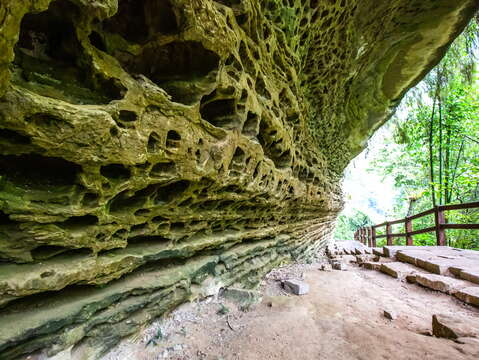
(155, 151)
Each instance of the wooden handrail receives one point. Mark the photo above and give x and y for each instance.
(470, 205)
(367, 235)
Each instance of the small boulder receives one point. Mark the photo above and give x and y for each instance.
(453, 327)
(390, 314)
(296, 287)
(337, 265)
(242, 297)
(325, 267)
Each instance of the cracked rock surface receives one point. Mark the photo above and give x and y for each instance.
(154, 151)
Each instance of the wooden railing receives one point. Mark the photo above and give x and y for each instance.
(367, 235)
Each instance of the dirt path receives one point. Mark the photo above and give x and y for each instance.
(341, 318)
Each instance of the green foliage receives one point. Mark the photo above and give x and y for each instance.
(347, 225)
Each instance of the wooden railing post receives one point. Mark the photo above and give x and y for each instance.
(373, 236)
(389, 238)
(439, 221)
(368, 235)
(408, 230)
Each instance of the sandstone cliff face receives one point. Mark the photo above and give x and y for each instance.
(153, 151)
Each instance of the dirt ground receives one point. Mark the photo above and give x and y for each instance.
(341, 318)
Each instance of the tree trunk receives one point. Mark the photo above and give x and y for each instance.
(431, 152)
(412, 203)
(440, 152)
(447, 170)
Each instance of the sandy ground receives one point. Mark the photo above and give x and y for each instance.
(341, 318)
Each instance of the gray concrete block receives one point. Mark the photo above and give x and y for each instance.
(296, 287)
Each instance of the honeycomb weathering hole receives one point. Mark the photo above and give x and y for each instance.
(238, 155)
(5, 219)
(147, 239)
(97, 41)
(229, 2)
(127, 116)
(50, 60)
(250, 127)
(124, 202)
(38, 171)
(168, 193)
(115, 172)
(166, 168)
(14, 137)
(179, 60)
(220, 113)
(138, 20)
(154, 141)
(80, 221)
(47, 251)
(172, 139)
(176, 67)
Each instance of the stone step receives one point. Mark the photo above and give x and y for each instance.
(433, 267)
(365, 258)
(378, 251)
(372, 265)
(400, 270)
(443, 260)
(423, 260)
(472, 276)
(391, 250)
(469, 295)
(441, 283)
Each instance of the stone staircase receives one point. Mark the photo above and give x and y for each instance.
(449, 270)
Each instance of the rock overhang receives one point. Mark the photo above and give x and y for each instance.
(141, 139)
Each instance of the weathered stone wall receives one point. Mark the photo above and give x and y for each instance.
(153, 151)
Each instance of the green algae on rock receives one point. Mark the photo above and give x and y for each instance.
(154, 151)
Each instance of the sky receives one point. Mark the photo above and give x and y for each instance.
(367, 191)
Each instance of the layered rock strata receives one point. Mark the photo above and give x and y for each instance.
(154, 151)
